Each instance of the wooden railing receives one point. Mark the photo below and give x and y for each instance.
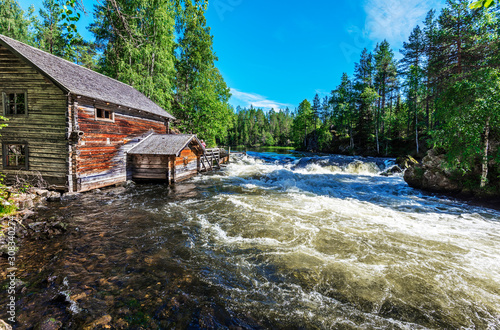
(213, 158)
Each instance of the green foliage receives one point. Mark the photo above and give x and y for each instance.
(137, 40)
(201, 94)
(53, 34)
(466, 110)
(392, 107)
(14, 22)
(325, 138)
(302, 125)
(6, 206)
(482, 3)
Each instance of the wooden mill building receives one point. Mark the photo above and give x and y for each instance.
(81, 130)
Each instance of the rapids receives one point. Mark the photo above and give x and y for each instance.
(271, 241)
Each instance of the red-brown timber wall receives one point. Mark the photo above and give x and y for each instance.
(101, 155)
(187, 165)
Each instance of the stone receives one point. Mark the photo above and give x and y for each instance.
(39, 192)
(4, 325)
(103, 321)
(50, 324)
(392, 171)
(70, 196)
(432, 175)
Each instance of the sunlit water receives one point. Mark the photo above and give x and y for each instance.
(271, 241)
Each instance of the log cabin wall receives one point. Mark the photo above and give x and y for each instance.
(101, 154)
(41, 129)
(150, 167)
(186, 165)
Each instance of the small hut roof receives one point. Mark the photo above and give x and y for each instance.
(167, 145)
(79, 80)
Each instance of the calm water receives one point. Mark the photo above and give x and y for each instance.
(272, 241)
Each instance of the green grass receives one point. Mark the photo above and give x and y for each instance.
(7, 210)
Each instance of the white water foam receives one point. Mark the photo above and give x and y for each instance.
(348, 232)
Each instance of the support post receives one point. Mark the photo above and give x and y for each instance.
(172, 169)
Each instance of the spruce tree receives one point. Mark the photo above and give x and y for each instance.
(14, 22)
(201, 95)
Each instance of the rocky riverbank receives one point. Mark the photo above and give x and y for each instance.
(28, 225)
(431, 174)
(34, 200)
(31, 224)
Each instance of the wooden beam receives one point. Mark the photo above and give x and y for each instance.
(172, 169)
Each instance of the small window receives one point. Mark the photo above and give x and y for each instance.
(102, 114)
(15, 104)
(15, 156)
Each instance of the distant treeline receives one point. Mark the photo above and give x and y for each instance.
(254, 127)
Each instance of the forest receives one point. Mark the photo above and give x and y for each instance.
(442, 93)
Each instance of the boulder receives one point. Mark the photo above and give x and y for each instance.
(432, 175)
(4, 325)
(393, 170)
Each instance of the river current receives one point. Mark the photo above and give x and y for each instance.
(271, 241)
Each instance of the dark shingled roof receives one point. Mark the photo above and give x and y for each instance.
(170, 144)
(78, 80)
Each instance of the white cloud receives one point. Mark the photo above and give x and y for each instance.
(257, 101)
(395, 19)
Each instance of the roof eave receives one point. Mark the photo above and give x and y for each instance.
(168, 116)
(67, 90)
(43, 73)
(193, 137)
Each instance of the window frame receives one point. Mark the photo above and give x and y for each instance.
(111, 113)
(5, 155)
(5, 94)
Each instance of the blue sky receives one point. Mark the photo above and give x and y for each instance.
(276, 53)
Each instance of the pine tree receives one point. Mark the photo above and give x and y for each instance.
(301, 125)
(412, 68)
(364, 70)
(385, 78)
(344, 109)
(364, 73)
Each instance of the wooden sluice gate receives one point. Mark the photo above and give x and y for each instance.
(213, 159)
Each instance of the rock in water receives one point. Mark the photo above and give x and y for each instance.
(4, 325)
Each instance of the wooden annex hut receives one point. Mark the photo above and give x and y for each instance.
(166, 157)
(75, 127)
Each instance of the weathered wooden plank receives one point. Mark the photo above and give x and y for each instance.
(162, 171)
(45, 125)
(150, 161)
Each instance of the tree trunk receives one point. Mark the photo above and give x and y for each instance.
(416, 130)
(376, 133)
(484, 174)
(305, 133)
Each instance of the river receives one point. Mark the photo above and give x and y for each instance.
(271, 241)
